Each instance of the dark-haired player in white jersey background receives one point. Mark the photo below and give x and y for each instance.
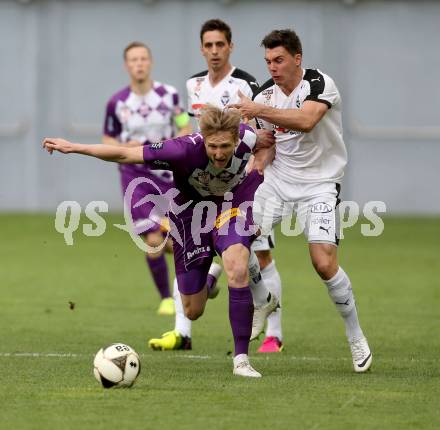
(303, 107)
(219, 86)
(143, 113)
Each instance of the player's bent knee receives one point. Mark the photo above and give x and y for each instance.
(238, 277)
(193, 314)
(325, 267)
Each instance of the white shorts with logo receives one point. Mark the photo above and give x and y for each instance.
(276, 201)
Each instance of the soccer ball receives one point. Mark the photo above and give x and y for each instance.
(116, 365)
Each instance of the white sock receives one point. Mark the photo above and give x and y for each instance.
(339, 290)
(272, 279)
(183, 324)
(260, 292)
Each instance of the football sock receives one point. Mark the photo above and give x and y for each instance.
(340, 292)
(159, 272)
(241, 312)
(272, 279)
(182, 323)
(210, 282)
(260, 292)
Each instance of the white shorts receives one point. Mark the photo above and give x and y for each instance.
(315, 205)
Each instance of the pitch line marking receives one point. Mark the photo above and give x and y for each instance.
(207, 357)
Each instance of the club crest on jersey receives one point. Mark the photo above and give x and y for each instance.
(267, 94)
(225, 98)
(298, 102)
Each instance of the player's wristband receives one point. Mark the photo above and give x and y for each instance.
(181, 120)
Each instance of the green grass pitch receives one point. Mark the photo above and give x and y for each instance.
(46, 348)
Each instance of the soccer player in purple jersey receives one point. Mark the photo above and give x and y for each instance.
(220, 85)
(146, 112)
(211, 212)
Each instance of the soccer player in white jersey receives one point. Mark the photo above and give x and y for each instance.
(303, 108)
(143, 113)
(219, 86)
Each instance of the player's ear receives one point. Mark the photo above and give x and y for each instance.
(231, 46)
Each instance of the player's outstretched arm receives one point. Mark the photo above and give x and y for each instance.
(104, 152)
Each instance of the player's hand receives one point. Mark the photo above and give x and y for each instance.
(56, 144)
(248, 109)
(265, 139)
(250, 164)
(262, 158)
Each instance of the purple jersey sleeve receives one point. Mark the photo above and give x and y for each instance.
(170, 154)
(112, 126)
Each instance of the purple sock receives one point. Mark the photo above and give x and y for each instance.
(159, 272)
(241, 312)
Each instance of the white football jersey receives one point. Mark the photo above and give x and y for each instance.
(200, 92)
(317, 156)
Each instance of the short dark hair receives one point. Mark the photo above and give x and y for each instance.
(136, 44)
(286, 38)
(219, 25)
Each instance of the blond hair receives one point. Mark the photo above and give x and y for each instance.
(213, 120)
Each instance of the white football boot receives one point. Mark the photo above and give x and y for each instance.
(361, 353)
(261, 313)
(242, 367)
